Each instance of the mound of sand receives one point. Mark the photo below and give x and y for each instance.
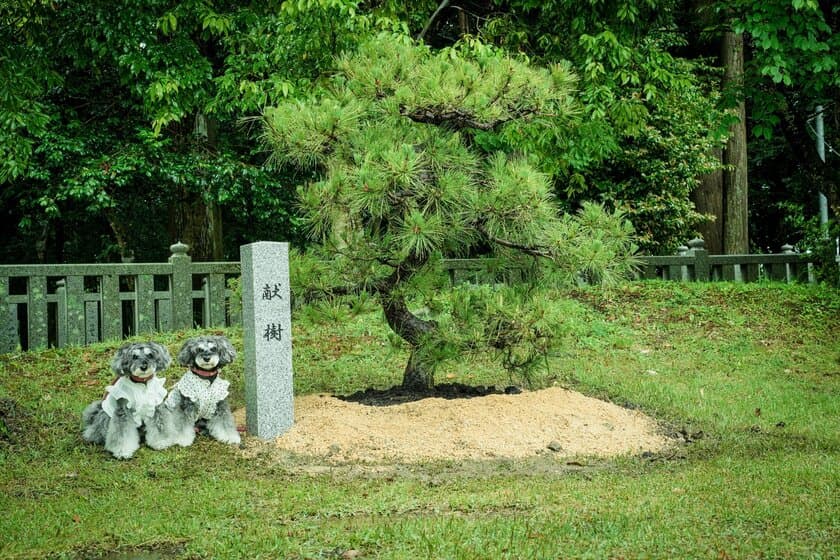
(552, 420)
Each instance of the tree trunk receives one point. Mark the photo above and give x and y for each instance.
(197, 223)
(735, 210)
(194, 219)
(419, 374)
(708, 199)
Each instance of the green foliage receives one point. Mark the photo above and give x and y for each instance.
(650, 123)
(794, 45)
(518, 327)
(819, 239)
(104, 106)
(791, 69)
(654, 175)
(24, 78)
(411, 188)
(400, 182)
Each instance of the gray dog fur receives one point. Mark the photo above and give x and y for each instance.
(121, 423)
(200, 398)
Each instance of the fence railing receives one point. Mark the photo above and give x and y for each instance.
(694, 263)
(78, 304)
(691, 263)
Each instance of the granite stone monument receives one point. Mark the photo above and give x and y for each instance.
(267, 330)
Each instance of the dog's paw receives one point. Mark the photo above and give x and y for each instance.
(231, 439)
(158, 443)
(121, 408)
(123, 453)
(185, 438)
(224, 433)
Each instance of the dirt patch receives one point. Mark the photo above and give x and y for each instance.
(498, 425)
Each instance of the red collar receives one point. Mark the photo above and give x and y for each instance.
(143, 380)
(205, 372)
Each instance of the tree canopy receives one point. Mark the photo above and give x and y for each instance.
(397, 140)
(129, 121)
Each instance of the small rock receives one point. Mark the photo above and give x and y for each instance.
(350, 554)
(555, 446)
(512, 390)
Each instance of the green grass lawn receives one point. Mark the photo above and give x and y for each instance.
(749, 373)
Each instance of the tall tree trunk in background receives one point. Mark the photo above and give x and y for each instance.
(708, 199)
(197, 223)
(735, 210)
(194, 219)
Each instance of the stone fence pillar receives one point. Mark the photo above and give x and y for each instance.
(180, 287)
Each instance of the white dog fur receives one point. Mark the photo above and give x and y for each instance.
(199, 401)
(131, 409)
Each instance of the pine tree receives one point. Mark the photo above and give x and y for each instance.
(410, 158)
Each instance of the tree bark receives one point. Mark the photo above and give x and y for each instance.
(418, 375)
(708, 199)
(194, 219)
(197, 223)
(735, 186)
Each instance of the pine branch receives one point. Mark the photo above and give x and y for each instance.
(535, 251)
(459, 119)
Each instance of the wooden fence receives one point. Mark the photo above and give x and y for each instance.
(77, 304)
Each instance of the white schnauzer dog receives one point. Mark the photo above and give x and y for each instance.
(199, 401)
(131, 408)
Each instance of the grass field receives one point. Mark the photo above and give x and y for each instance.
(748, 374)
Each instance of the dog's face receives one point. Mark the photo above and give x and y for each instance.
(141, 360)
(206, 352)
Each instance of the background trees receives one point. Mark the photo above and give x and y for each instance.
(128, 122)
(793, 68)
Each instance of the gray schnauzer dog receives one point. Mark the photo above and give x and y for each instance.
(199, 401)
(131, 408)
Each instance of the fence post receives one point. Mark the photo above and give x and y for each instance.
(110, 307)
(702, 268)
(37, 323)
(679, 272)
(790, 269)
(61, 314)
(180, 287)
(74, 292)
(9, 336)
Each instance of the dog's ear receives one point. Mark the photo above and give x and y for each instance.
(120, 361)
(162, 357)
(227, 353)
(187, 351)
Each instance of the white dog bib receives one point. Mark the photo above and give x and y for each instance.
(142, 398)
(205, 393)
